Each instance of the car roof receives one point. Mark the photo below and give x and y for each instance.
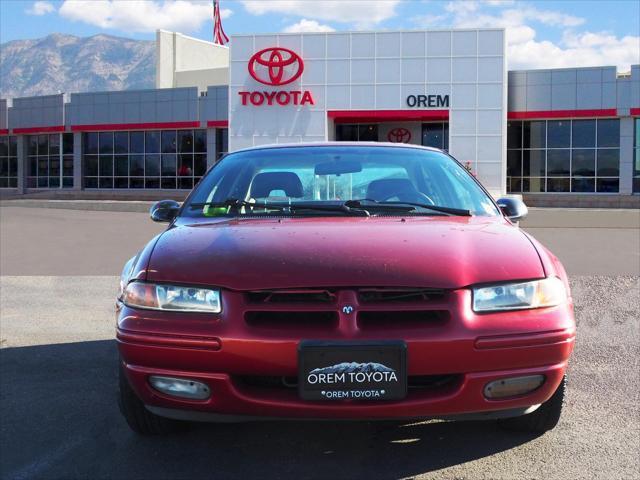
(337, 144)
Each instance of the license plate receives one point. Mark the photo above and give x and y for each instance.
(352, 371)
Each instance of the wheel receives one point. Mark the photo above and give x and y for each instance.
(140, 419)
(545, 418)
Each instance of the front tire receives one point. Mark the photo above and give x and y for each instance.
(139, 419)
(545, 418)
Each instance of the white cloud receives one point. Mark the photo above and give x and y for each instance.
(471, 13)
(429, 20)
(362, 13)
(141, 15)
(462, 8)
(574, 49)
(549, 17)
(586, 49)
(499, 3)
(40, 8)
(305, 25)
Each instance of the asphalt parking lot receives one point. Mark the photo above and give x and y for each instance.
(58, 412)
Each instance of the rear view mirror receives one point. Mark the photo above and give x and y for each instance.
(164, 211)
(338, 167)
(513, 208)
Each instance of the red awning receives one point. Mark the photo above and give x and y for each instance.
(376, 116)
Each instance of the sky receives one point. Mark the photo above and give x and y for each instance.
(540, 34)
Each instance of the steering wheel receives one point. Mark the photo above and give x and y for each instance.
(411, 197)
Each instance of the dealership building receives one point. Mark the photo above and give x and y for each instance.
(566, 137)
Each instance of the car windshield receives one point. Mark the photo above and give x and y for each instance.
(338, 180)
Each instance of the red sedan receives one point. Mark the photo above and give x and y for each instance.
(342, 281)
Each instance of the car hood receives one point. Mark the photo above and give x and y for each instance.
(435, 251)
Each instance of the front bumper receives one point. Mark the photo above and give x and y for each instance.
(220, 351)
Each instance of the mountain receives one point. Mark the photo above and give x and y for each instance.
(349, 367)
(66, 63)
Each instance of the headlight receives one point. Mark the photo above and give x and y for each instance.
(126, 274)
(171, 297)
(519, 296)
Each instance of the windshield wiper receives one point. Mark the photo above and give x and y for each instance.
(360, 207)
(236, 203)
(411, 206)
(378, 206)
(343, 207)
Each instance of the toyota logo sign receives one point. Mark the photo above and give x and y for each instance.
(399, 135)
(276, 66)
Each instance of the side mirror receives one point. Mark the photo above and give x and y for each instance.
(513, 208)
(164, 211)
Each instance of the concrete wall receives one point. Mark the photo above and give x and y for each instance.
(377, 71)
(592, 88)
(628, 91)
(202, 78)
(32, 112)
(626, 155)
(215, 105)
(186, 61)
(165, 59)
(135, 106)
(122, 108)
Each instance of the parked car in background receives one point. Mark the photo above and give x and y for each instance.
(342, 281)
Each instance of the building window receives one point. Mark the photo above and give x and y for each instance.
(563, 156)
(636, 157)
(436, 134)
(357, 132)
(50, 160)
(222, 142)
(167, 159)
(8, 162)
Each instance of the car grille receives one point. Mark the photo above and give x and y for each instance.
(320, 310)
(398, 295)
(292, 320)
(401, 320)
(270, 297)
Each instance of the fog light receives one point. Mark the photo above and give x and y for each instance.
(511, 387)
(180, 387)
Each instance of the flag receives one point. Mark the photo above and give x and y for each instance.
(219, 36)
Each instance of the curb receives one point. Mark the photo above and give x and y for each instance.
(624, 218)
(87, 205)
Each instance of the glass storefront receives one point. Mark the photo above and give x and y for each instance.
(543, 156)
(434, 134)
(222, 142)
(50, 162)
(357, 132)
(153, 159)
(8, 162)
(579, 156)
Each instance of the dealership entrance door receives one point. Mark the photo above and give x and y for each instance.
(430, 134)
